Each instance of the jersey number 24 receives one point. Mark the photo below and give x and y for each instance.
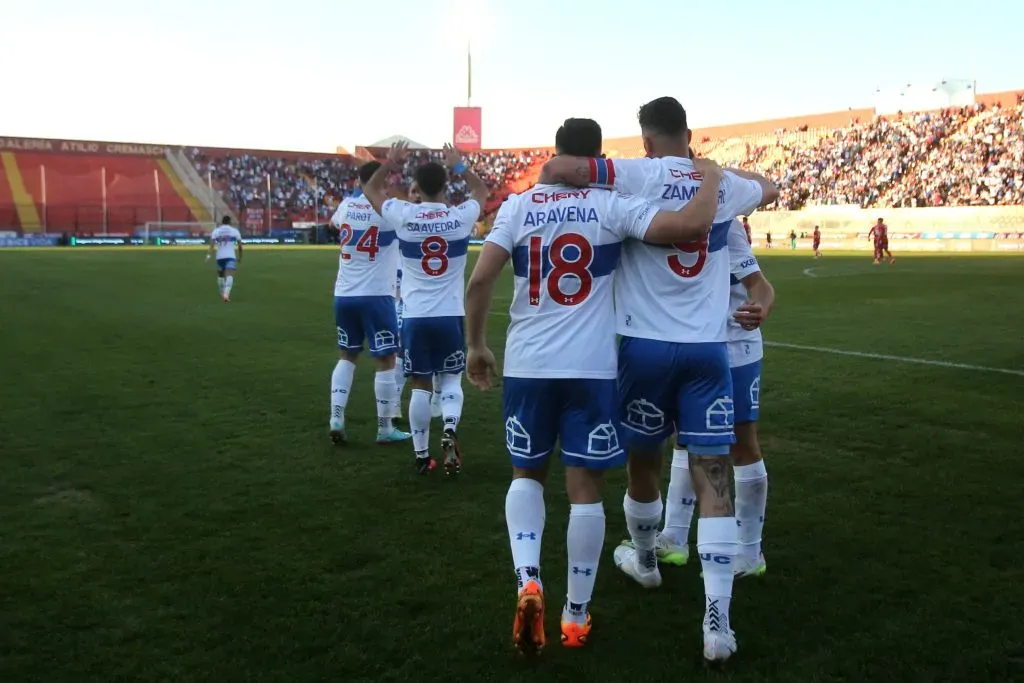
(570, 254)
(367, 243)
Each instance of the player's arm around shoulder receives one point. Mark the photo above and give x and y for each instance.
(625, 175)
(768, 192)
(693, 221)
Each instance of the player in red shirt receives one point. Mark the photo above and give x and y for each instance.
(746, 224)
(880, 233)
(817, 242)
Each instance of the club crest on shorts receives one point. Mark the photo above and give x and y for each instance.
(384, 339)
(644, 416)
(719, 416)
(517, 439)
(755, 392)
(603, 441)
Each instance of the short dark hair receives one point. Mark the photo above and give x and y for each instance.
(226, 220)
(664, 116)
(431, 178)
(367, 170)
(579, 138)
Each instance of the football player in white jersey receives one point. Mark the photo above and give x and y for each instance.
(435, 398)
(433, 243)
(560, 368)
(751, 299)
(224, 239)
(364, 308)
(671, 306)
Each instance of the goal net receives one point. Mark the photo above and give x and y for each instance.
(176, 232)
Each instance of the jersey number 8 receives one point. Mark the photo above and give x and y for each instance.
(559, 256)
(435, 256)
(700, 248)
(367, 243)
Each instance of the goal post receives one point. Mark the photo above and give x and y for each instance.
(156, 229)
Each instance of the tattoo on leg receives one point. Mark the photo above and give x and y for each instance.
(712, 484)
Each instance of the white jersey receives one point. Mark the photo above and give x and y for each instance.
(678, 293)
(225, 237)
(433, 241)
(368, 254)
(565, 245)
(745, 346)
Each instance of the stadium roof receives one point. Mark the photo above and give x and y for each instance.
(388, 141)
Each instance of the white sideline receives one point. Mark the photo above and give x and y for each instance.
(898, 359)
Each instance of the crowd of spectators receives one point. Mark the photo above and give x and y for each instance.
(967, 156)
(302, 185)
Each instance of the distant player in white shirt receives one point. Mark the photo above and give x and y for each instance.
(433, 243)
(560, 368)
(224, 239)
(364, 309)
(435, 399)
(671, 306)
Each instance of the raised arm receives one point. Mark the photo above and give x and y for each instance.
(457, 165)
(693, 221)
(376, 190)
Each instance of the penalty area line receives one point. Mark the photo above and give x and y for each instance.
(898, 359)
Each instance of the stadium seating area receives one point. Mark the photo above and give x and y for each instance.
(965, 156)
(308, 187)
(971, 156)
(65, 193)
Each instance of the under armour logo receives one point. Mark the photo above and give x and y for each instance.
(585, 572)
(526, 535)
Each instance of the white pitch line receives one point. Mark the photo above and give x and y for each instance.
(898, 359)
(809, 272)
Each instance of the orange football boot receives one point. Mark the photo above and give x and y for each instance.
(575, 634)
(528, 627)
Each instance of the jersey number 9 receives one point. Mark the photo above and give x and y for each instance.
(367, 243)
(569, 255)
(700, 248)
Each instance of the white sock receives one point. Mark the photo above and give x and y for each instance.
(399, 387)
(451, 398)
(524, 516)
(680, 499)
(435, 398)
(419, 421)
(584, 540)
(220, 285)
(228, 282)
(341, 384)
(642, 520)
(384, 391)
(717, 544)
(751, 501)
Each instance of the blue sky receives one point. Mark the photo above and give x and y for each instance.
(313, 74)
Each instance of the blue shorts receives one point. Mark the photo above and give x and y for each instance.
(746, 385)
(581, 414)
(664, 386)
(370, 318)
(226, 264)
(433, 345)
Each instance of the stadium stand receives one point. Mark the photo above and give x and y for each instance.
(971, 155)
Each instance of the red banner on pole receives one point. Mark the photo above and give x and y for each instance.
(466, 132)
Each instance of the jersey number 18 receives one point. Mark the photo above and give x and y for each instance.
(570, 254)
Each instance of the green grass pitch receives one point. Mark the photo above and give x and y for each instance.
(171, 508)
